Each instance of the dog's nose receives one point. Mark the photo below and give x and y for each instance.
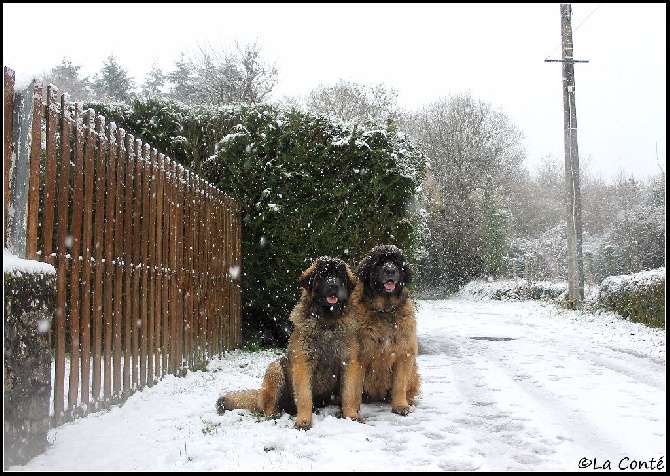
(390, 270)
(332, 282)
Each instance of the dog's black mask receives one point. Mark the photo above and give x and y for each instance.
(331, 292)
(329, 286)
(386, 277)
(385, 271)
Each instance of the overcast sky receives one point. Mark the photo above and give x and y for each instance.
(424, 51)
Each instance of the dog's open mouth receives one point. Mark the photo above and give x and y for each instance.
(332, 299)
(389, 285)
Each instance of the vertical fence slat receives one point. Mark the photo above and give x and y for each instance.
(196, 267)
(159, 172)
(151, 259)
(238, 264)
(88, 245)
(190, 274)
(179, 265)
(110, 219)
(144, 263)
(128, 362)
(228, 282)
(61, 269)
(119, 251)
(185, 289)
(174, 263)
(166, 264)
(99, 249)
(75, 261)
(34, 180)
(218, 283)
(50, 174)
(208, 274)
(202, 303)
(136, 259)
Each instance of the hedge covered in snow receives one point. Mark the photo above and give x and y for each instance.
(639, 296)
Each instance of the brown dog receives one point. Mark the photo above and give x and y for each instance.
(321, 364)
(388, 328)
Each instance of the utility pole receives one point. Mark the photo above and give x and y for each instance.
(572, 187)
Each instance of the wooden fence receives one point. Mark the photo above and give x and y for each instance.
(147, 254)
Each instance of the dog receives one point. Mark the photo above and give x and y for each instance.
(388, 341)
(320, 366)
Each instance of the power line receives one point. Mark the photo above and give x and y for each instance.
(547, 60)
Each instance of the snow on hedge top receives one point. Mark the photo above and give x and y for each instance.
(642, 279)
(13, 264)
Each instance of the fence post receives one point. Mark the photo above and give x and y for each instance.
(17, 213)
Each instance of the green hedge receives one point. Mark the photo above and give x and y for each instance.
(307, 187)
(639, 297)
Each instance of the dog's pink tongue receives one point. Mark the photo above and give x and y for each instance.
(332, 299)
(390, 286)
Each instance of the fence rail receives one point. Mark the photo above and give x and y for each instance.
(147, 254)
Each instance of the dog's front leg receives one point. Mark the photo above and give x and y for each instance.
(401, 372)
(352, 390)
(302, 391)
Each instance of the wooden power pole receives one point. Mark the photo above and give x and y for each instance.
(572, 187)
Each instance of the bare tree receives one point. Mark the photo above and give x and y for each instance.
(475, 156)
(223, 76)
(352, 102)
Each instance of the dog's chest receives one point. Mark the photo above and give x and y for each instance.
(329, 342)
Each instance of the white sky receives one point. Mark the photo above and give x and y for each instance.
(424, 51)
(569, 385)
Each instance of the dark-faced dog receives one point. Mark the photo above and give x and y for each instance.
(321, 365)
(388, 328)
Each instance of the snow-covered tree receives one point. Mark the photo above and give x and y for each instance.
(217, 76)
(467, 142)
(352, 102)
(183, 81)
(154, 83)
(113, 83)
(66, 77)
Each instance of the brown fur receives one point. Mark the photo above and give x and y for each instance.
(320, 366)
(388, 332)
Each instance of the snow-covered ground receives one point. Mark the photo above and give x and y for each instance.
(506, 386)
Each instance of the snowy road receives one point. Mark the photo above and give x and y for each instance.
(506, 386)
(558, 391)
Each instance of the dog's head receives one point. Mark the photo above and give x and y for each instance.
(385, 271)
(328, 283)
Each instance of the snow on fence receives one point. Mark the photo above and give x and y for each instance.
(147, 254)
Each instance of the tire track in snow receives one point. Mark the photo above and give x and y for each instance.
(541, 386)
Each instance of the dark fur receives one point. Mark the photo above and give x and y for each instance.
(321, 365)
(388, 328)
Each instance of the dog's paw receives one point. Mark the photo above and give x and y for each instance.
(401, 410)
(352, 416)
(303, 425)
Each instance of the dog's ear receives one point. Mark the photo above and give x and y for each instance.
(306, 279)
(408, 270)
(350, 279)
(400, 259)
(363, 269)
